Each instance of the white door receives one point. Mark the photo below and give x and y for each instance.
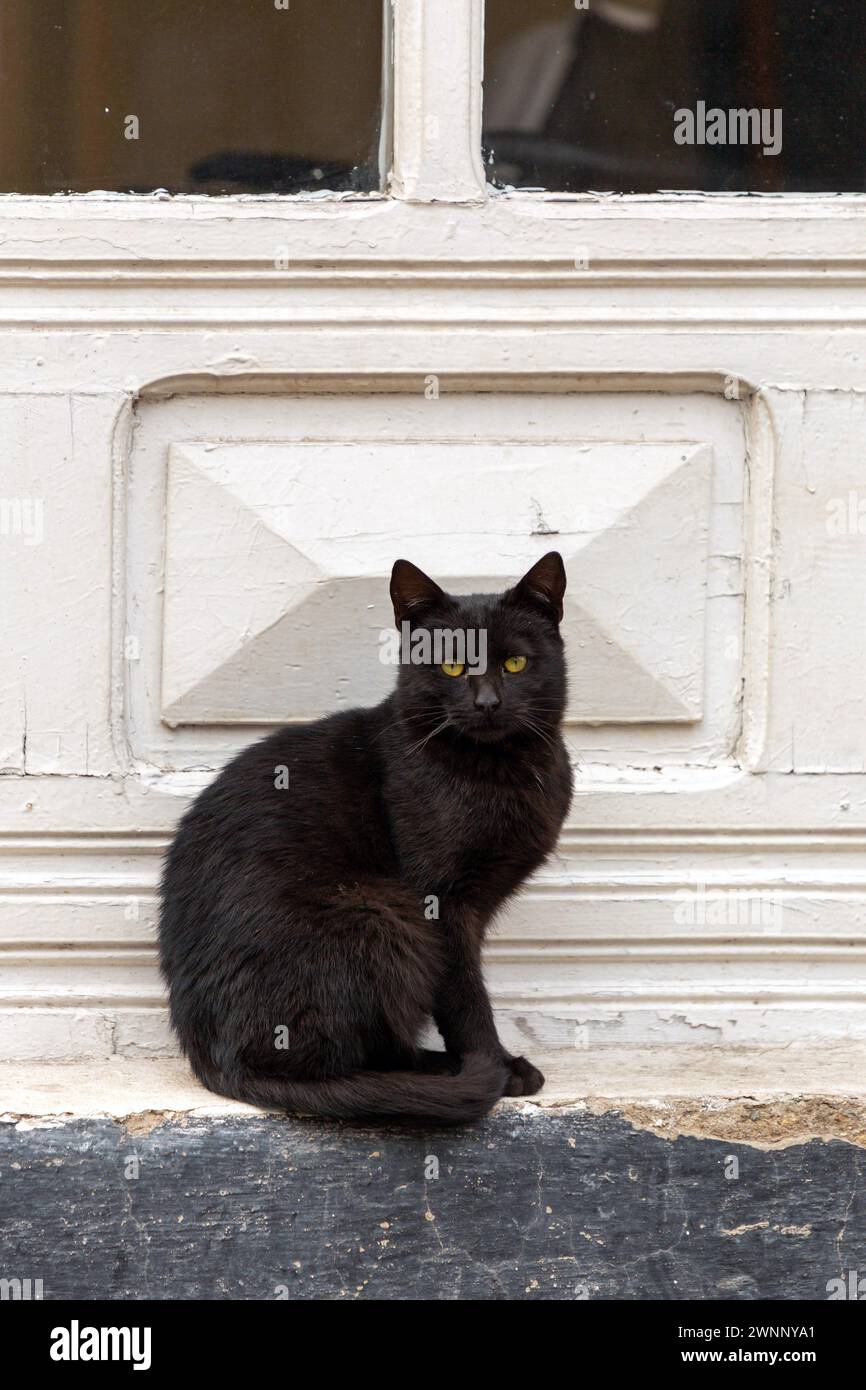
(225, 416)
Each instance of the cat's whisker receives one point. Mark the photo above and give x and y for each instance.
(536, 729)
(403, 718)
(422, 743)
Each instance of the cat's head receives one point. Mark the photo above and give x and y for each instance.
(484, 666)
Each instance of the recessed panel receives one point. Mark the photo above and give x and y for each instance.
(258, 566)
(278, 556)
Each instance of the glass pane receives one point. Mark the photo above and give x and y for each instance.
(195, 96)
(636, 96)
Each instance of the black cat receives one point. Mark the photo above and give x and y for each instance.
(330, 891)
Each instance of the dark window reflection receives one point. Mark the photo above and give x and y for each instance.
(230, 96)
(634, 96)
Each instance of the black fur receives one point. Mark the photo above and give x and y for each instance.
(299, 935)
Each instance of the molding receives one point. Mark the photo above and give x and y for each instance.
(55, 885)
(791, 320)
(684, 997)
(374, 271)
(760, 450)
(708, 836)
(597, 943)
(376, 380)
(501, 949)
(66, 842)
(807, 216)
(526, 240)
(631, 841)
(438, 65)
(542, 996)
(652, 891)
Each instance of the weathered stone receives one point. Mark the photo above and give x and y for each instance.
(549, 1205)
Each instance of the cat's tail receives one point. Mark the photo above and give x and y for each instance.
(371, 1095)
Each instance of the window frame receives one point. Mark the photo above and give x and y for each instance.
(431, 148)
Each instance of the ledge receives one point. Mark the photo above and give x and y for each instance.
(766, 1097)
(125, 1181)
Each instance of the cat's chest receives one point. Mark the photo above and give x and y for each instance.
(470, 833)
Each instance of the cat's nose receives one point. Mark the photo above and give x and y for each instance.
(486, 699)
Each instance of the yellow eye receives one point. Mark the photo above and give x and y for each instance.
(515, 664)
(453, 668)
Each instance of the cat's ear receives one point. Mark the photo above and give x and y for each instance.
(542, 587)
(412, 591)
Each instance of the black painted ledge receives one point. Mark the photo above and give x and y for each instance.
(532, 1204)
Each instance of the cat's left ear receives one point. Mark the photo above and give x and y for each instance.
(412, 591)
(542, 587)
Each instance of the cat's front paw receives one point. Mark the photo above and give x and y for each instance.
(525, 1079)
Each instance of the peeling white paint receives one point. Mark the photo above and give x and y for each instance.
(132, 325)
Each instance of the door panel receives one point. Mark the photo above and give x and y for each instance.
(680, 380)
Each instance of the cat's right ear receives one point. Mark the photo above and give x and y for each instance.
(412, 591)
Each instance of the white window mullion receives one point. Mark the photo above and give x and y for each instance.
(438, 68)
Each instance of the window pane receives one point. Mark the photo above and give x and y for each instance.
(634, 96)
(196, 96)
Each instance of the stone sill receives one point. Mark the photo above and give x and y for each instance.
(768, 1097)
